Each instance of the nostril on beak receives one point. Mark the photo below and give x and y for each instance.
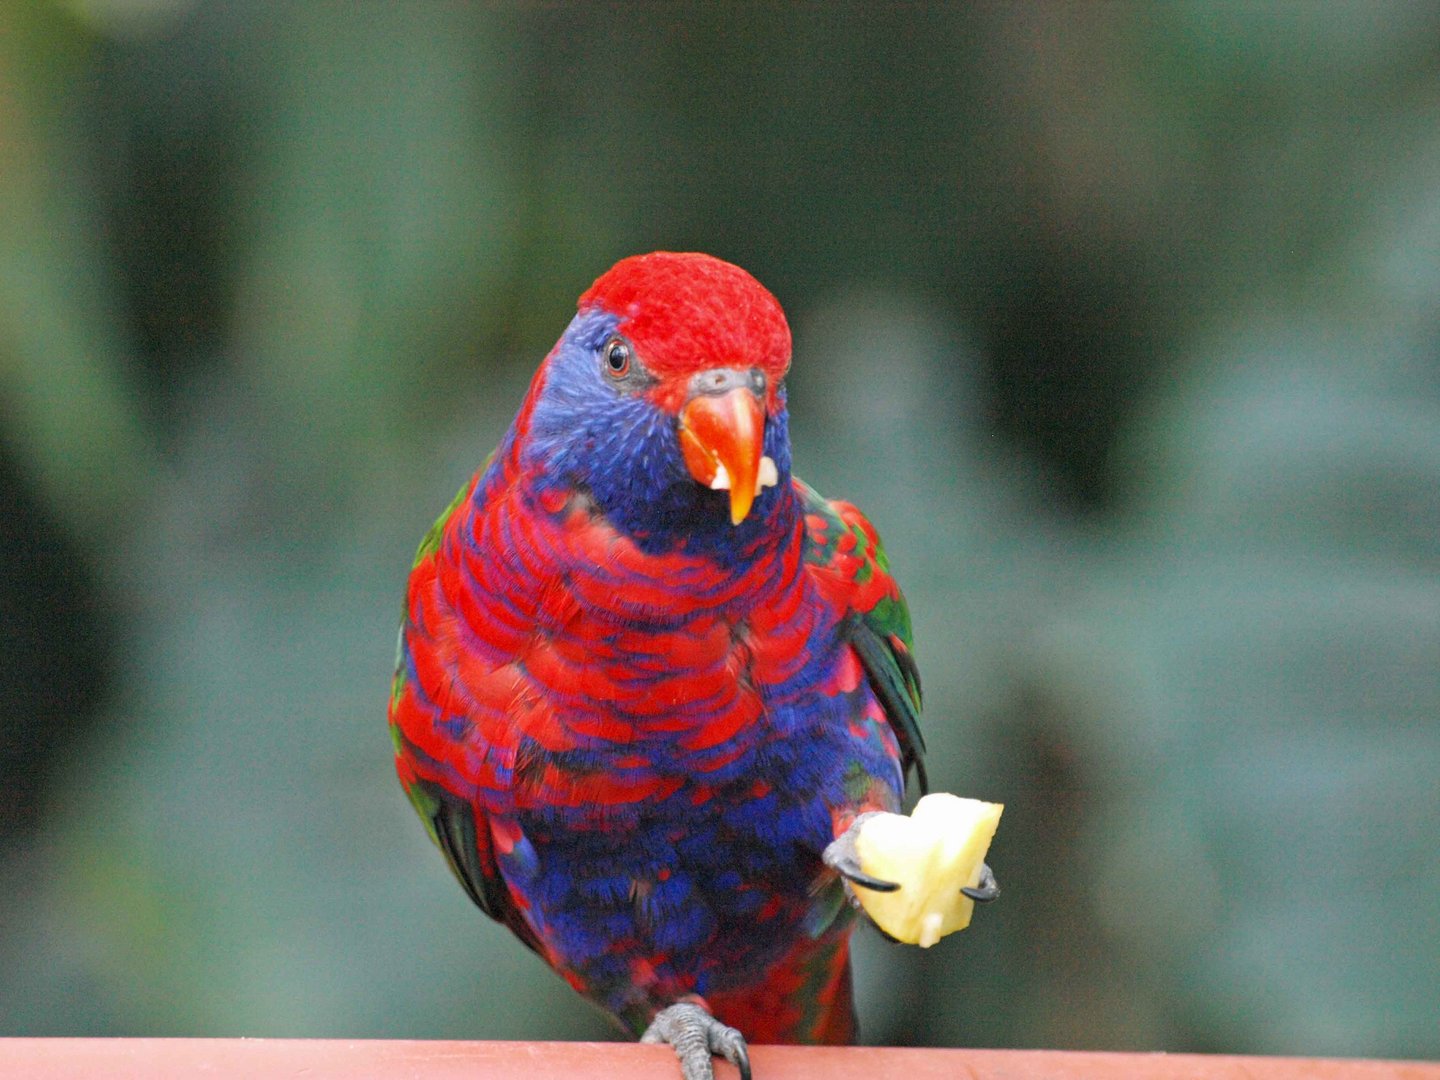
(719, 381)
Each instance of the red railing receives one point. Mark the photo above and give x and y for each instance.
(302, 1059)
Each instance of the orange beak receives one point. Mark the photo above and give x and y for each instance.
(722, 438)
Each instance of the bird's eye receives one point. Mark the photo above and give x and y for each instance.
(617, 358)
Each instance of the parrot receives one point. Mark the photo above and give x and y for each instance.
(649, 683)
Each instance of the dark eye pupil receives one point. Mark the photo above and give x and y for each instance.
(617, 357)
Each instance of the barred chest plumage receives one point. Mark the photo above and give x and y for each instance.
(663, 743)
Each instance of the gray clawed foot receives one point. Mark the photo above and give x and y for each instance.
(841, 857)
(696, 1035)
(987, 890)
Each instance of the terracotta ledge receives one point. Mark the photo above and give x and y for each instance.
(334, 1059)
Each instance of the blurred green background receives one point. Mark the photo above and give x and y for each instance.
(1121, 321)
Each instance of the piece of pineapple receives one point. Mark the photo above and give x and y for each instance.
(931, 855)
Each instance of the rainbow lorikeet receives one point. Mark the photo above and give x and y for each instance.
(648, 680)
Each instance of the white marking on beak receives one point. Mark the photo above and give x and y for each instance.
(769, 475)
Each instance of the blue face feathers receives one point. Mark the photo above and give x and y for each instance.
(606, 437)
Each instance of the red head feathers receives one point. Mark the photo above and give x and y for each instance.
(686, 312)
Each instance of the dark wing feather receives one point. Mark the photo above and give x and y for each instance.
(468, 852)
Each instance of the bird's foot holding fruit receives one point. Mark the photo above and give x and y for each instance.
(696, 1035)
(918, 878)
(840, 855)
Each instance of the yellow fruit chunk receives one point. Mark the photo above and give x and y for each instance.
(931, 855)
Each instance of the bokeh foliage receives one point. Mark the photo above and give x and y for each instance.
(1120, 320)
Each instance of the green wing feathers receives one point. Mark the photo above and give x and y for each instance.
(848, 562)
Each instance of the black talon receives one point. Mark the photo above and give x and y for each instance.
(840, 856)
(741, 1060)
(987, 890)
(856, 876)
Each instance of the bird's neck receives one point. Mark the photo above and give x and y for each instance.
(680, 537)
